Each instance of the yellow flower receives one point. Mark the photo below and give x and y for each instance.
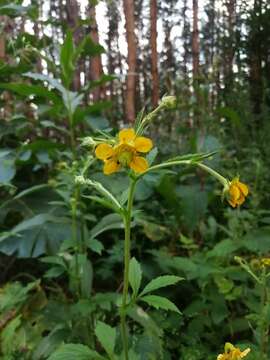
(237, 192)
(232, 353)
(265, 261)
(125, 153)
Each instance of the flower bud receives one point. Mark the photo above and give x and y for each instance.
(80, 180)
(89, 141)
(169, 102)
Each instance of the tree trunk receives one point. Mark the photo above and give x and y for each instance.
(196, 65)
(195, 42)
(185, 40)
(72, 9)
(230, 47)
(3, 21)
(154, 54)
(131, 60)
(255, 58)
(37, 35)
(2, 47)
(95, 62)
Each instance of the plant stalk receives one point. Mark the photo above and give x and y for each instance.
(127, 223)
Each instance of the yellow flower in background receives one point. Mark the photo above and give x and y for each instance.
(265, 262)
(126, 153)
(232, 353)
(237, 192)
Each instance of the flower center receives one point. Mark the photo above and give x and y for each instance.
(125, 158)
(124, 154)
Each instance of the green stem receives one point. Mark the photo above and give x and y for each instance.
(165, 165)
(149, 117)
(127, 223)
(75, 239)
(215, 174)
(264, 325)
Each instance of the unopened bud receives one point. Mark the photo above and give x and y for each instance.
(89, 141)
(80, 180)
(169, 102)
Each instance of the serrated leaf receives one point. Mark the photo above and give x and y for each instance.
(106, 194)
(9, 334)
(75, 351)
(135, 276)
(159, 282)
(160, 302)
(193, 157)
(108, 222)
(106, 336)
(66, 58)
(95, 246)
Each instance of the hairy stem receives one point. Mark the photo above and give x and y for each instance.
(127, 223)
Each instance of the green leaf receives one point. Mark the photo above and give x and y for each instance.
(14, 10)
(159, 282)
(54, 272)
(49, 343)
(35, 236)
(193, 204)
(7, 166)
(45, 78)
(29, 89)
(135, 275)
(8, 335)
(85, 268)
(160, 302)
(71, 100)
(95, 246)
(108, 222)
(193, 157)
(14, 295)
(66, 59)
(141, 317)
(75, 351)
(91, 48)
(106, 194)
(106, 336)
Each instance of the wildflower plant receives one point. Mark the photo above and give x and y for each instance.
(233, 353)
(259, 271)
(132, 152)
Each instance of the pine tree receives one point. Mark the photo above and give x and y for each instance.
(154, 54)
(131, 59)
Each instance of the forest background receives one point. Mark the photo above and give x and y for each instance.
(72, 70)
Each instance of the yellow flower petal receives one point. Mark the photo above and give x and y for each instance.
(104, 151)
(110, 167)
(139, 164)
(220, 357)
(241, 199)
(127, 136)
(243, 187)
(232, 203)
(244, 353)
(234, 192)
(143, 144)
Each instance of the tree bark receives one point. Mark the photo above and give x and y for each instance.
(195, 42)
(255, 58)
(72, 10)
(230, 46)
(96, 70)
(154, 54)
(2, 47)
(131, 60)
(2, 40)
(185, 40)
